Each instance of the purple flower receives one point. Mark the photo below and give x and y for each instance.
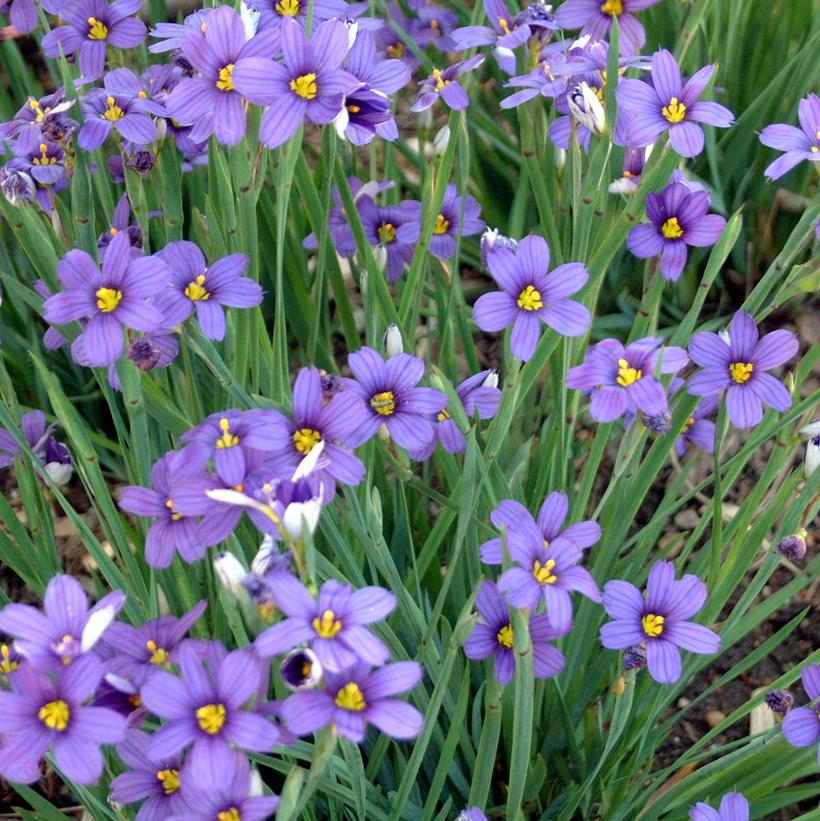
(595, 19)
(333, 625)
(354, 699)
(733, 807)
(634, 162)
(91, 26)
(22, 13)
(445, 84)
(531, 296)
(39, 114)
(172, 36)
(238, 799)
(434, 25)
(155, 350)
(494, 637)
(471, 814)
(41, 715)
(212, 101)
(44, 162)
(195, 285)
(389, 42)
(479, 395)
(541, 80)
(503, 32)
(802, 724)
(110, 299)
(799, 143)
(384, 228)
(678, 218)
(65, 630)
(272, 13)
(666, 103)
(209, 709)
(392, 398)
(659, 619)
(310, 85)
(739, 367)
(145, 649)
(549, 527)
(621, 379)
(121, 221)
(157, 783)
(33, 426)
(698, 430)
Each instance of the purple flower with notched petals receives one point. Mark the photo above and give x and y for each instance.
(622, 379)
(37, 434)
(801, 726)
(41, 715)
(197, 286)
(697, 430)
(172, 36)
(549, 526)
(391, 398)
(156, 783)
(445, 84)
(383, 226)
(434, 25)
(799, 143)
(503, 30)
(106, 110)
(210, 709)
(38, 114)
(65, 630)
(389, 42)
(109, 299)
(310, 85)
(92, 25)
(494, 637)
(678, 217)
(549, 572)
(733, 807)
(532, 294)
(595, 19)
(659, 619)
(356, 698)
(44, 162)
(272, 13)
(667, 104)
(739, 367)
(332, 625)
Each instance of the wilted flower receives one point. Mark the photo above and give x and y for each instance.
(155, 350)
(802, 725)
(585, 106)
(635, 657)
(733, 807)
(659, 619)
(491, 240)
(445, 84)
(595, 19)
(793, 547)
(779, 701)
(799, 143)
(17, 186)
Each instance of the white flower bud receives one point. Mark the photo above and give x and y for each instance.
(340, 123)
(812, 459)
(230, 572)
(560, 157)
(491, 379)
(811, 430)
(250, 20)
(301, 515)
(585, 106)
(393, 343)
(441, 141)
(59, 473)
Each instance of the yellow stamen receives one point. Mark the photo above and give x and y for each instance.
(443, 415)
(98, 30)
(671, 229)
(675, 112)
(169, 780)
(741, 371)
(384, 403)
(442, 225)
(440, 81)
(169, 503)
(530, 299)
(227, 440)
(504, 25)
(543, 572)
(652, 624)
(354, 109)
(305, 439)
(436, 26)
(689, 422)
(159, 655)
(113, 112)
(328, 626)
(613, 7)
(44, 159)
(387, 233)
(305, 86)
(212, 718)
(134, 700)
(307, 669)
(143, 95)
(6, 664)
(55, 715)
(627, 376)
(505, 636)
(108, 299)
(396, 50)
(196, 290)
(350, 697)
(114, 231)
(225, 81)
(287, 8)
(229, 815)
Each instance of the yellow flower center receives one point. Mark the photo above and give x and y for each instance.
(6, 664)
(108, 299)
(443, 415)
(44, 159)
(169, 503)
(675, 112)
(328, 626)
(195, 290)
(225, 81)
(387, 233)
(504, 25)
(55, 715)
(306, 439)
(613, 7)
(530, 299)
(396, 50)
(627, 376)
(741, 371)
(505, 636)
(689, 422)
(98, 30)
(307, 669)
(39, 114)
(212, 718)
(287, 8)
(543, 572)
(169, 780)
(351, 697)
(440, 81)
(354, 109)
(384, 403)
(652, 624)
(671, 229)
(227, 440)
(442, 225)
(159, 655)
(229, 815)
(305, 86)
(113, 112)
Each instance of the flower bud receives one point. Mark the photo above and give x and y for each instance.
(491, 379)
(142, 162)
(793, 547)
(230, 572)
(441, 141)
(301, 669)
(250, 20)
(491, 240)
(585, 106)
(60, 472)
(657, 424)
(780, 701)
(16, 186)
(393, 343)
(812, 458)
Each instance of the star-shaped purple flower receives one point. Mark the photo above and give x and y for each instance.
(739, 367)
(801, 726)
(445, 84)
(594, 18)
(733, 807)
(799, 143)
(503, 31)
